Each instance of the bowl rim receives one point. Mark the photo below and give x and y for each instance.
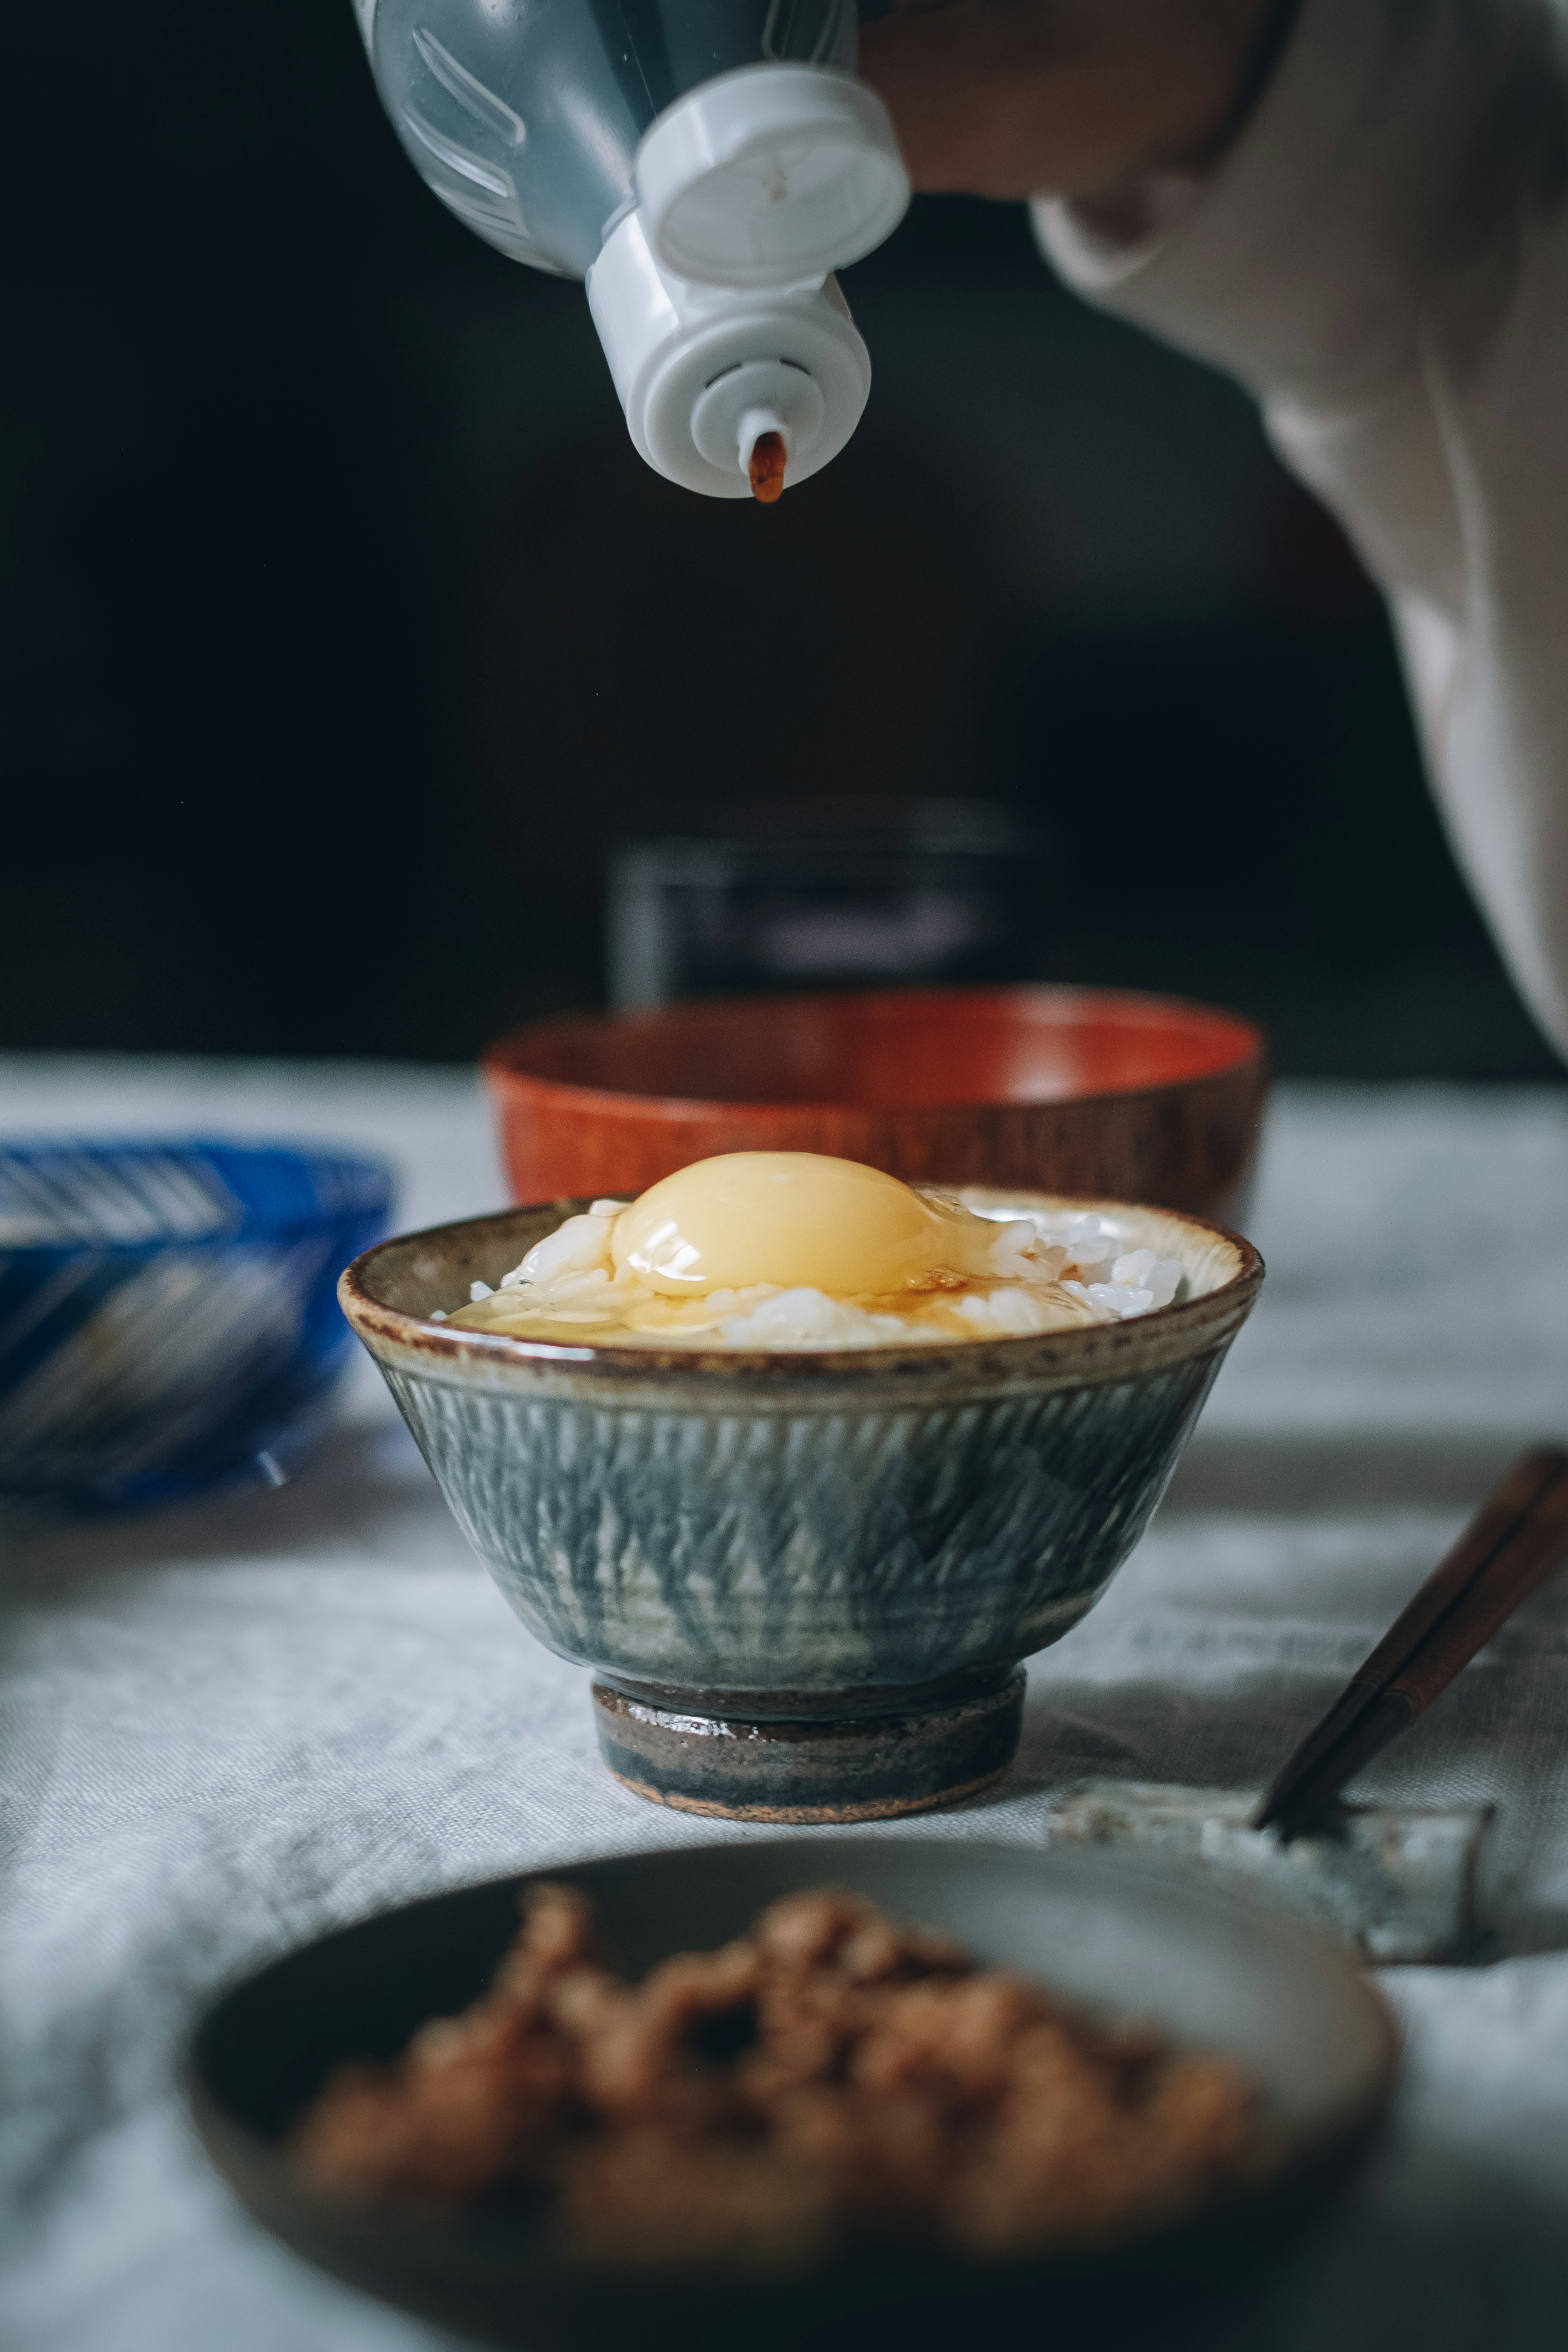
(1099, 1350)
(500, 1071)
(245, 1230)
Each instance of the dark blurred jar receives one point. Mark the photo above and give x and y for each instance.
(803, 895)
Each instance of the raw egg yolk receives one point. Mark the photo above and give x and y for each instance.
(793, 1218)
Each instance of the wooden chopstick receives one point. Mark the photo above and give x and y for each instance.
(1514, 1543)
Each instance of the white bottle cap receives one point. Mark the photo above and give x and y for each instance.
(770, 174)
(696, 366)
(756, 422)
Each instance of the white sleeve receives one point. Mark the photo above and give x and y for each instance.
(1383, 259)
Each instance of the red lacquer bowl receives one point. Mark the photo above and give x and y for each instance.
(1094, 1091)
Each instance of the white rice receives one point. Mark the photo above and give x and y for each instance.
(1044, 1270)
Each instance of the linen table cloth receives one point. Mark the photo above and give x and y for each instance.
(226, 1728)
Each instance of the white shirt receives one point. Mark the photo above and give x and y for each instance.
(1383, 258)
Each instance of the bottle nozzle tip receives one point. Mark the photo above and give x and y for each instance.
(765, 467)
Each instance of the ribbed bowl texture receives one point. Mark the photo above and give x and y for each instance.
(168, 1317)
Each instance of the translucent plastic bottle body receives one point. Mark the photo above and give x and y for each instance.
(524, 116)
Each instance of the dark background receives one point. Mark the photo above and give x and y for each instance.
(345, 632)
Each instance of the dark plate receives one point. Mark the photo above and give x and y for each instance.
(1216, 1969)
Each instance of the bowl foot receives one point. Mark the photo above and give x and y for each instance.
(852, 1767)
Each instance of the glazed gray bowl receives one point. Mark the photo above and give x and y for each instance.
(803, 1581)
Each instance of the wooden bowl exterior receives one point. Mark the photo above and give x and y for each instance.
(1075, 1090)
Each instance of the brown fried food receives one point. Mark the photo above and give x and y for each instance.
(833, 2075)
(475, 2098)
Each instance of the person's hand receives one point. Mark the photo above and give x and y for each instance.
(1074, 97)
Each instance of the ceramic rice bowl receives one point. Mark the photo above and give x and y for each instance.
(803, 1581)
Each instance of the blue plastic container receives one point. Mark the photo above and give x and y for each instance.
(168, 1312)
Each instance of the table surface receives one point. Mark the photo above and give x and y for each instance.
(226, 1728)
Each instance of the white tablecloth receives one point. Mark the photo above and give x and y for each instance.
(225, 1728)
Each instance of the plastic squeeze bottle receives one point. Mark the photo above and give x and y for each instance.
(705, 165)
